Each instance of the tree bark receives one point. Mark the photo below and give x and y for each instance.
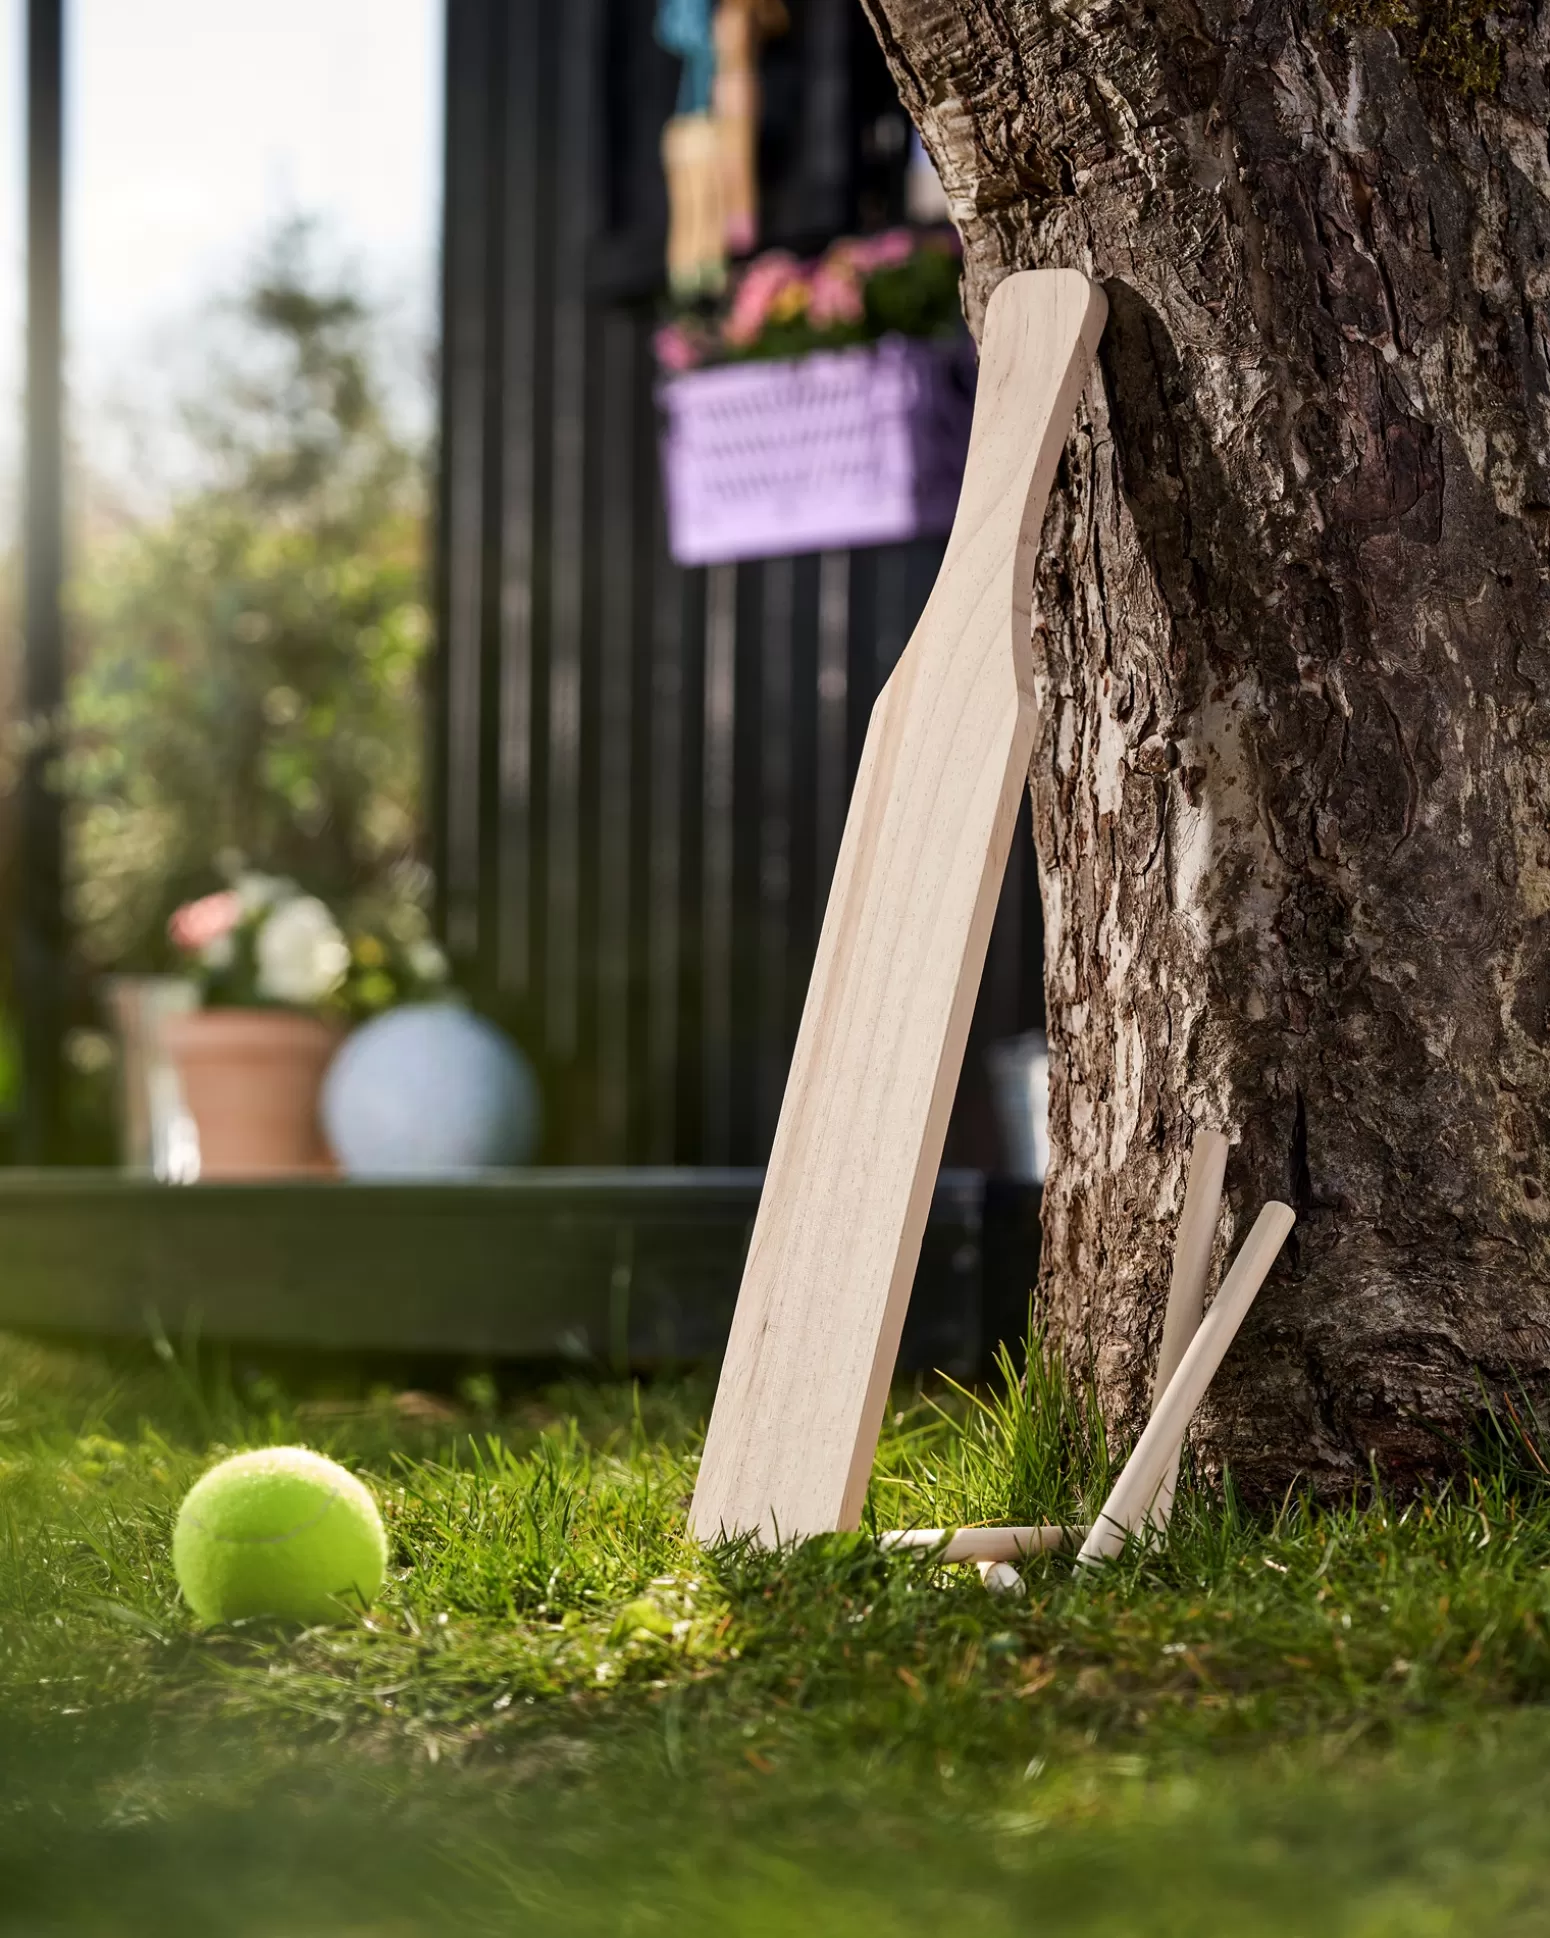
(1291, 792)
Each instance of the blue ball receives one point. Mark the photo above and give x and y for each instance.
(426, 1089)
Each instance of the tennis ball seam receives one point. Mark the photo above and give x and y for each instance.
(270, 1540)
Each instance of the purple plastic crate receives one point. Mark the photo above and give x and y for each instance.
(841, 448)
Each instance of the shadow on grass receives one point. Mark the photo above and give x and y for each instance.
(134, 1829)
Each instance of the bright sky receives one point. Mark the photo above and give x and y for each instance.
(192, 128)
(10, 251)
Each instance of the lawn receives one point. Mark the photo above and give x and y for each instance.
(563, 1718)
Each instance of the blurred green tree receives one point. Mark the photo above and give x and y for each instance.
(246, 661)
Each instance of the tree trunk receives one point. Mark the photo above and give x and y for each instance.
(1291, 791)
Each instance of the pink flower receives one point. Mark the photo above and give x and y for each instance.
(676, 349)
(757, 293)
(891, 248)
(835, 297)
(863, 255)
(197, 924)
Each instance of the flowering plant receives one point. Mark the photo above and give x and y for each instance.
(902, 282)
(262, 943)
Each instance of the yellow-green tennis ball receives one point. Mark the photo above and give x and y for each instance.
(282, 1534)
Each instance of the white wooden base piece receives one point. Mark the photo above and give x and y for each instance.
(980, 1544)
(1001, 1578)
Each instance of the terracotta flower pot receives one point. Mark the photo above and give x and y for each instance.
(251, 1078)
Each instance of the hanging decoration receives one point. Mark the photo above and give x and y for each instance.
(741, 27)
(821, 405)
(692, 156)
(710, 147)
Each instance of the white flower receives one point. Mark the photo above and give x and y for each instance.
(302, 956)
(220, 953)
(427, 960)
(257, 892)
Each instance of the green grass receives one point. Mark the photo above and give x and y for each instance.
(562, 1717)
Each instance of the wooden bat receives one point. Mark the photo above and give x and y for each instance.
(1129, 1504)
(1187, 1292)
(856, 1152)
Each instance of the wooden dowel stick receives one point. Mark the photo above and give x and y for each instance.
(980, 1544)
(992, 1547)
(1126, 1509)
(1187, 1293)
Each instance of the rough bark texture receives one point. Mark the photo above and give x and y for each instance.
(1292, 793)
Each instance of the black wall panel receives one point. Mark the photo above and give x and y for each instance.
(640, 773)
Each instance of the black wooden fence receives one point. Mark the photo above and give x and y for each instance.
(643, 771)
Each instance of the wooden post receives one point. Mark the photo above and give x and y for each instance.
(40, 937)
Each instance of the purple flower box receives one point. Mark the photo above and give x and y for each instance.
(840, 448)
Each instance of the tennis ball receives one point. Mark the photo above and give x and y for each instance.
(281, 1533)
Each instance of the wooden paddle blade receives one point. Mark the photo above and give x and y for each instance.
(877, 1058)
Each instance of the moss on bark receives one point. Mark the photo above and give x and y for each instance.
(1457, 41)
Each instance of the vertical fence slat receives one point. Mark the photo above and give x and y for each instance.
(575, 86)
(524, 338)
(748, 738)
(615, 855)
(833, 708)
(40, 940)
(647, 568)
(689, 1068)
(772, 967)
(716, 913)
(665, 887)
(808, 883)
(461, 549)
(600, 573)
